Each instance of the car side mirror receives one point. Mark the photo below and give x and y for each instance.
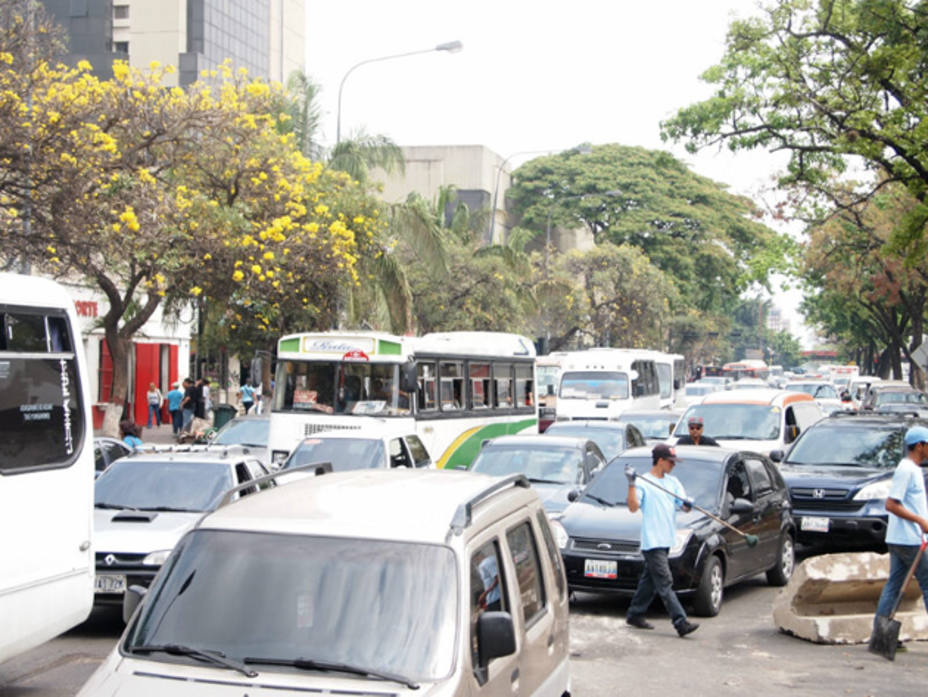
(792, 433)
(573, 495)
(131, 600)
(495, 635)
(409, 378)
(741, 506)
(777, 455)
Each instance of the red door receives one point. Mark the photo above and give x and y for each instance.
(147, 370)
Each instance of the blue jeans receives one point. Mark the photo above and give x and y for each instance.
(154, 409)
(900, 559)
(177, 420)
(188, 418)
(656, 579)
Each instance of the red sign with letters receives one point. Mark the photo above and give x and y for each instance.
(355, 355)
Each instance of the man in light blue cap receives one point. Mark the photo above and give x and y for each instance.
(908, 520)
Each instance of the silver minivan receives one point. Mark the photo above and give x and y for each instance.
(363, 582)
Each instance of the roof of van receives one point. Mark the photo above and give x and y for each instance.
(33, 291)
(408, 505)
(758, 396)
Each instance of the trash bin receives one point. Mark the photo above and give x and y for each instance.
(222, 414)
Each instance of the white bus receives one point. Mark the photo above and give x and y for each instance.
(601, 383)
(671, 375)
(46, 466)
(548, 373)
(455, 389)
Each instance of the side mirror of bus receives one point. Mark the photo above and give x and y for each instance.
(409, 379)
(550, 390)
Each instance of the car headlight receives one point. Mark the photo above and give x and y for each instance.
(682, 537)
(560, 534)
(876, 490)
(156, 558)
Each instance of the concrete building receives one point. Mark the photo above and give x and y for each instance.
(265, 36)
(479, 176)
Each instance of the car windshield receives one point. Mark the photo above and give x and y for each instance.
(386, 606)
(900, 398)
(819, 391)
(244, 432)
(146, 484)
(611, 441)
(344, 453)
(699, 389)
(702, 480)
(593, 384)
(858, 445)
(735, 421)
(541, 462)
(651, 426)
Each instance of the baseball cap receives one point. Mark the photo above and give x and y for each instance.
(662, 450)
(176, 383)
(916, 434)
(695, 421)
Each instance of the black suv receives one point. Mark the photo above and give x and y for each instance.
(839, 472)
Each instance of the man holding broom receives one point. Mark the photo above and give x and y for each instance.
(658, 533)
(908, 521)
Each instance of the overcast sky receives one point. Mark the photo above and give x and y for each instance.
(533, 75)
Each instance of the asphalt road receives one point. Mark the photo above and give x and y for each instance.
(740, 652)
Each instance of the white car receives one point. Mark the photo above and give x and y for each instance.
(370, 582)
(370, 447)
(144, 504)
(823, 392)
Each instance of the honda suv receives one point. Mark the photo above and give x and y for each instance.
(839, 472)
(388, 582)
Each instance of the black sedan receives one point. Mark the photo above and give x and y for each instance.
(599, 537)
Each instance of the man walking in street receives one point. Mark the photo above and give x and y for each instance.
(658, 534)
(696, 436)
(908, 520)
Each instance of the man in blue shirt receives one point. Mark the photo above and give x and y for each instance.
(175, 397)
(658, 534)
(908, 520)
(248, 397)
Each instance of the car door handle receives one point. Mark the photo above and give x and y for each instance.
(515, 676)
(550, 640)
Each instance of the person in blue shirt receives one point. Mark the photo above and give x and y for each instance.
(175, 397)
(248, 396)
(658, 534)
(908, 520)
(130, 434)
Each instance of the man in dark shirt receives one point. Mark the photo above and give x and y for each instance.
(199, 405)
(696, 436)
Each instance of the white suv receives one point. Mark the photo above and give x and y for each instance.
(365, 582)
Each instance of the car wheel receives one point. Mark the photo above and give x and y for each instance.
(708, 599)
(781, 572)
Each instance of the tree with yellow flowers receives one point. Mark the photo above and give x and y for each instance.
(163, 195)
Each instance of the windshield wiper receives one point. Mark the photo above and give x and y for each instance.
(210, 655)
(312, 664)
(169, 509)
(602, 501)
(114, 506)
(544, 481)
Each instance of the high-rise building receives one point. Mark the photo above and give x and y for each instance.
(265, 36)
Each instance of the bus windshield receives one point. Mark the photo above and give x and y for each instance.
(594, 384)
(336, 387)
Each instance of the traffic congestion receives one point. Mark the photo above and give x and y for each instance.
(368, 431)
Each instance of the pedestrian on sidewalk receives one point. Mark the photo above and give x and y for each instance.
(188, 403)
(175, 397)
(155, 402)
(658, 534)
(247, 393)
(908, 520)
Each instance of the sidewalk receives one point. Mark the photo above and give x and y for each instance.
(156, 435)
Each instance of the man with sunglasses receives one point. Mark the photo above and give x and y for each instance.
(696, 436)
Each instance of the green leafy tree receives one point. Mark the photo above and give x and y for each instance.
(831, 82)
(707, 239)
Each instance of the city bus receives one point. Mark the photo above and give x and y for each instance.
(671, 376)
(601, 383)
(46, 466)
(747, 368)
(455, 389)
(548, 372)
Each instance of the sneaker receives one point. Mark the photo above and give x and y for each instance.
(639, 622)
(685, 627)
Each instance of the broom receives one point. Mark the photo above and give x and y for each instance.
(885, 637)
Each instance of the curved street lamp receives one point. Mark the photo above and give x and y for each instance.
(449, 46)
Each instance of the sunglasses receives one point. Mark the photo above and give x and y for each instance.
(696, 427)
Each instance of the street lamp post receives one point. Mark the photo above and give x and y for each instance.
(554, 201)
(450, 47)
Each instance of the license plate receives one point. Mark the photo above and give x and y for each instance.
(110, 583)
(600, 568)
(814, 523)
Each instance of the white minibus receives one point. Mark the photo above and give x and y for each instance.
(601, 383)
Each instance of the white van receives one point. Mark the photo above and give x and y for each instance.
(601, 383)
(368, 582)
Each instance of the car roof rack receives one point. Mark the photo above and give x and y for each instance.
(463, 514)
(317, 468)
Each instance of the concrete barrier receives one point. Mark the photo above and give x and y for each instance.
(831, 599)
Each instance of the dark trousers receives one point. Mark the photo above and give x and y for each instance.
(247, 405)
(177, 420)
(656, 579)
(900, 559)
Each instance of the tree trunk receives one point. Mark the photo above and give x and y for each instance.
(119, 353)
